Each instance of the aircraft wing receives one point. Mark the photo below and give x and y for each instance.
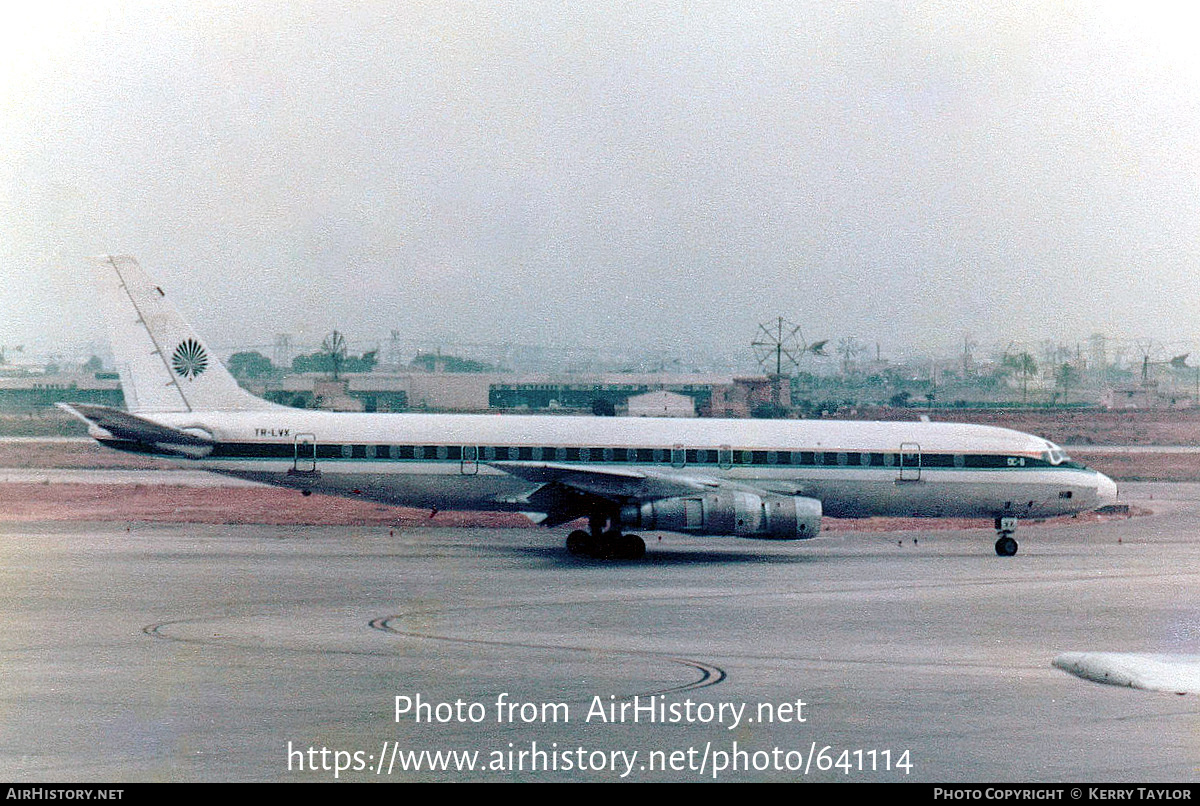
(125, 426)
(570, 491)
(610, 483)
(1153, 672)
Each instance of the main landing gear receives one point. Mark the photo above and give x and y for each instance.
(601, 543)
(1005, 545)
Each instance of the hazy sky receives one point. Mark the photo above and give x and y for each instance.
(606, 173)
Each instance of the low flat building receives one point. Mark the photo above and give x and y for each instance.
(378, 391)
(29, 392)
(582, 391)
(661, 404)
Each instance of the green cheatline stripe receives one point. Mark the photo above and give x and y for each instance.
(666, 457)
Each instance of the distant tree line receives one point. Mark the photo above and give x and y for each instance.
(331, 363)
(431, 362)
(333, 360)
(251, 365)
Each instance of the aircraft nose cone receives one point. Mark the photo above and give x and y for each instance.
(1106, 490)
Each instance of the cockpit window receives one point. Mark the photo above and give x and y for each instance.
(1055, 455)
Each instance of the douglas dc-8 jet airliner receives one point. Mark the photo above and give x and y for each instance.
(770, 479)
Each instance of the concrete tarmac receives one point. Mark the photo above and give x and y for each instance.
(250, 653)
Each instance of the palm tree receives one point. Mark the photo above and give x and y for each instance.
(1024, 365)
(1066, 376)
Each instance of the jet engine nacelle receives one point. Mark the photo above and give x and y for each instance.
(742, 514)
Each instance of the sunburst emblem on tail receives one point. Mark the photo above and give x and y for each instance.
(189, 359)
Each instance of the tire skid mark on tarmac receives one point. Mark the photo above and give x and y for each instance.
(156, 631)
(710, 675)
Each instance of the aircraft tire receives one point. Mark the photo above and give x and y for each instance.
(633, 547)
(610, 546)
(1006, 546)
(579, 543)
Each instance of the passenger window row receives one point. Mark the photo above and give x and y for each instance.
(677, 456)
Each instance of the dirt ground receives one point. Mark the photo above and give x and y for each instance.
(83, 454)
(235, 505)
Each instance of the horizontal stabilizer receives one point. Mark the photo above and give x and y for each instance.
(1178, 674)
(125, 426)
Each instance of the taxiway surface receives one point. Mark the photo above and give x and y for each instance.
(199, 652)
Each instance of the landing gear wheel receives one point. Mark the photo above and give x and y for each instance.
(1006, 546)
(1005, 526)
(609, 546)
(580, 543)
(630, 547)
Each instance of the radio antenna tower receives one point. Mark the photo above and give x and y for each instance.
(782, 345)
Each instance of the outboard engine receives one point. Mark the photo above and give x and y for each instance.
(742, 514)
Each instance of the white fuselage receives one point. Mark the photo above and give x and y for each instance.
(853, 468)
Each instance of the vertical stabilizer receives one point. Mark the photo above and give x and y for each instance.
(164, 365)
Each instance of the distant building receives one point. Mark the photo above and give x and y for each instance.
(1142, 396)
(581, 391)
(332, 396)
(28, 392)
(661, 404)
(746, 396)
(378, 391)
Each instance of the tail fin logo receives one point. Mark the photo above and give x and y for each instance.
(189, 359)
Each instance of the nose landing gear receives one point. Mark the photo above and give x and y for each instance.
(1005, 545)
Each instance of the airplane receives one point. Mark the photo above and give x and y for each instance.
(769, 479)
